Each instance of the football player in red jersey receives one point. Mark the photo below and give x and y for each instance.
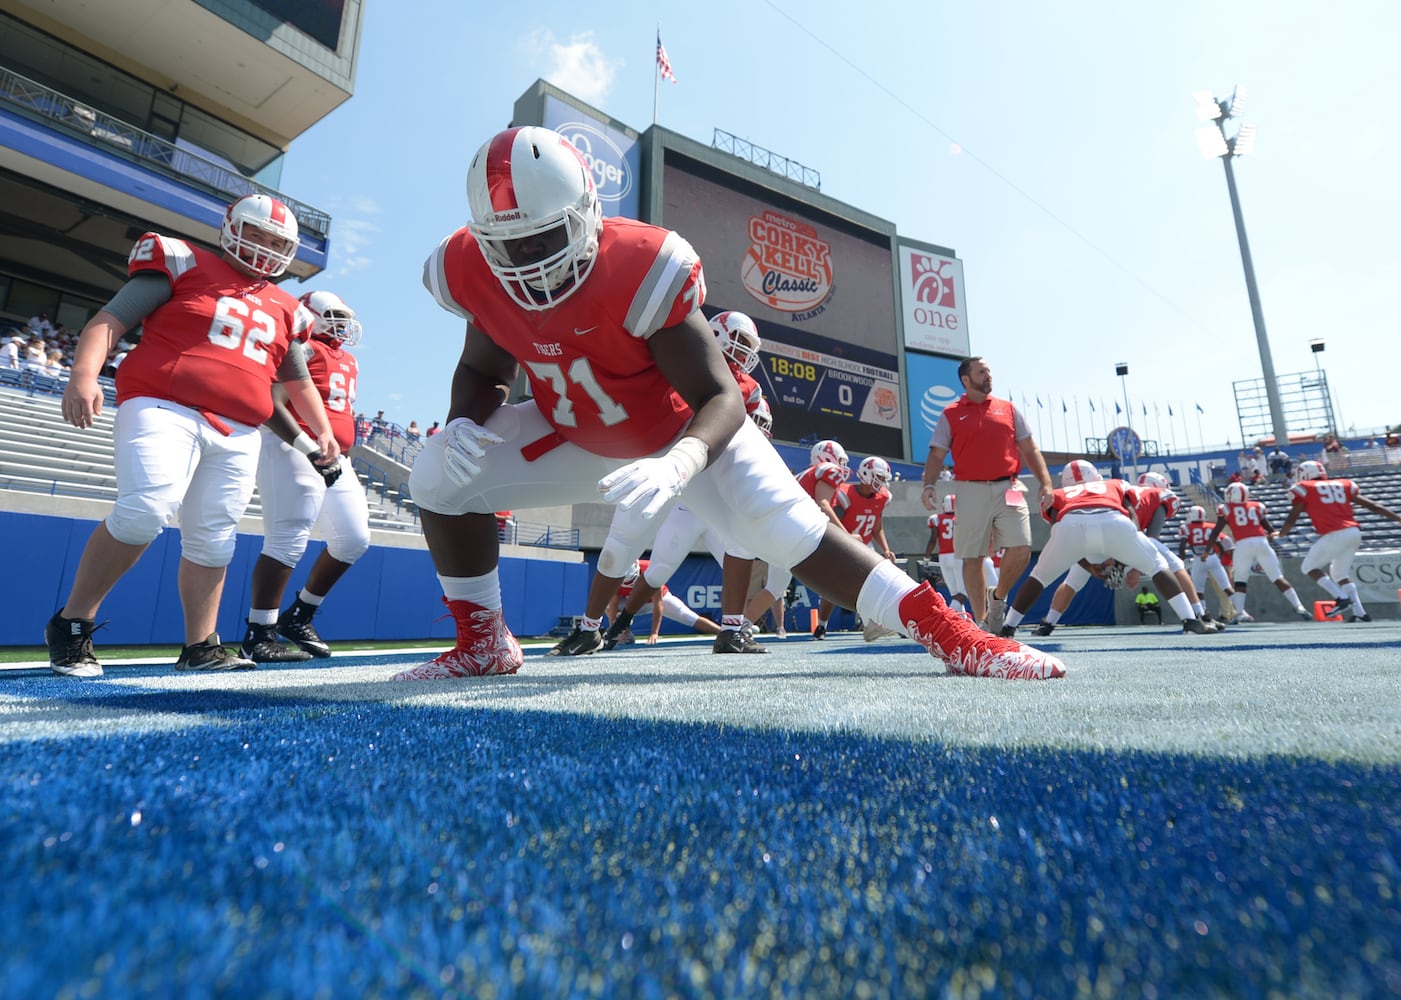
(1091, 521)
(632, 398)
(664, 604)
(1250, 528)
(1329, 504)
(1203, 557)
(1154, 503)
(191, 394)
(860, 507)
(822, 479)
(296, 494)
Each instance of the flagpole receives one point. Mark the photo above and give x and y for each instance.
(1065, 424)
(1079, 431)
(656, 75)
(1158, 419)
(1201, 439)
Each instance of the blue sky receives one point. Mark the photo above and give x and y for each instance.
(1051, 146)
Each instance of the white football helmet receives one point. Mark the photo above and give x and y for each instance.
(948, 504)
(1196, 514)
(763, 416)
(1312, 470)
(1079, 471)
(1237, 493)
(739, 339)
(269, 252)
(828, 451)
(531, 183)
(874, 472)
(1154, 479)
(634, 571)
(335, 321)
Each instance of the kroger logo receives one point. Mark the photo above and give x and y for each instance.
(611, 173)
(932, 403)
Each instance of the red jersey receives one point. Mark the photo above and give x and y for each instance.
(749, 389)
(859, 514)
(334, 373)
(1197, 534)
(587, 358)
(944, 524)
(217, 344)
(1246, 520)
(1328, 502)
(827, 472)
(1113, 494)
(1149, 500)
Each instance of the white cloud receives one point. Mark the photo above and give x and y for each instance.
(578, 65)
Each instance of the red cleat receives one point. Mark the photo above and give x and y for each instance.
(967, 649)
(485, 646)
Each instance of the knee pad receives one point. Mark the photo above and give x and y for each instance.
(429, 484)
(287, 547)
(135, 520)
(616, 557)
(209, 550)
(349, 548)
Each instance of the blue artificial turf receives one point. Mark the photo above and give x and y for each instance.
(298, 847)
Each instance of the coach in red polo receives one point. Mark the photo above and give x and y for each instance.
(990, 443)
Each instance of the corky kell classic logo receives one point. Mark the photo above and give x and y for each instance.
(933, 281)
(787, 266)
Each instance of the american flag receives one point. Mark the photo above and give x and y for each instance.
(663, 63)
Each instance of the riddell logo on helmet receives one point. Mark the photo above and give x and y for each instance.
(512, 216)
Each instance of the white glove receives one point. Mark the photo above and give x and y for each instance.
(929, 496)
(652, 483)
(464, 442)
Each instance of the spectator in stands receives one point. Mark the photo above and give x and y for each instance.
(188, 443)
(9, 352)
(36, 354)
(411, 432)
(54, 366)
(435, 429)
(39, 326)
(1280, 463)
(298, 495)
(377, 425)
(362, 427)
(110, 369)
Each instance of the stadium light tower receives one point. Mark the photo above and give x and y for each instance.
(1217, 142)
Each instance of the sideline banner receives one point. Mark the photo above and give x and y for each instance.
(1377, 575)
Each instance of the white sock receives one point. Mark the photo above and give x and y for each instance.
(881, 593)
(1238, 602)
(1357, 607)
(1014, 617)
(587, 624)
(1052, 616)
(1198, 608)
(1329, 587)
(307, 597)
(262, 616)
(483, 591)
(1183, 607)
(1292, 596)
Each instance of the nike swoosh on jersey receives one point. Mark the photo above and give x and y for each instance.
(580, 333)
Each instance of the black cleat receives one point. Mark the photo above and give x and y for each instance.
(1198, 627)
(70, 646)
(820, 632)
(1339, 606)
(614, 635)
(734, 640)
(261, 646)
(211, 655)
(1045, 628)
(578, 643)
(1008, 631)
(295, 624)
(1359, 618)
